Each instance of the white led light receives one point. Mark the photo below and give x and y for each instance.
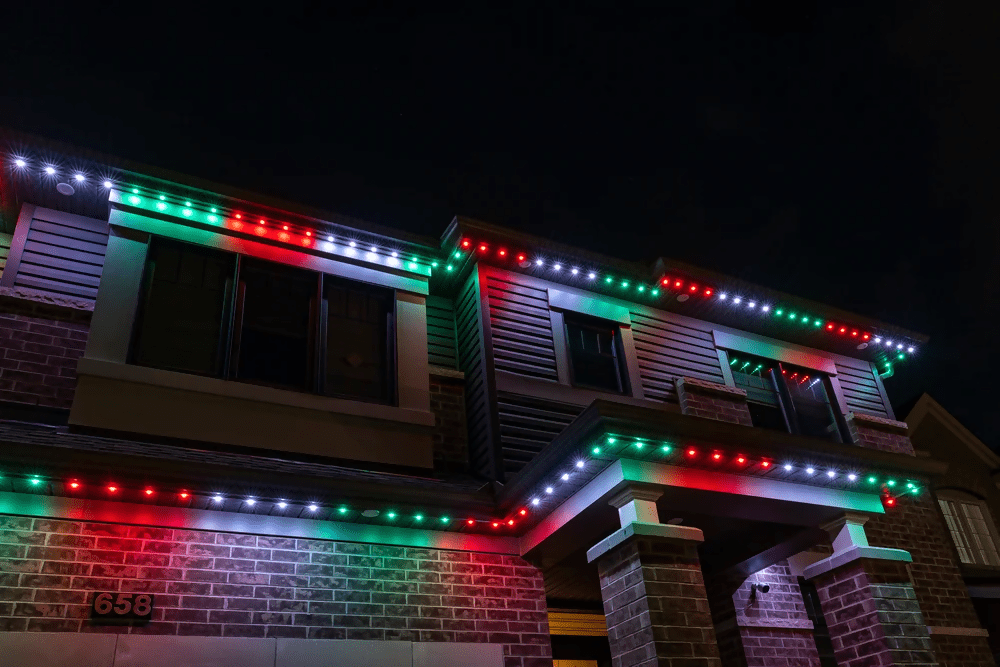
(565, 477)
(831, 474)
(852, 477)
(353, 244)
(535, 501)
(878, 339)
(282, 505)
(50, 171)
(909, 349)
(752, 304)
(788, 467)
(107, 184)
(810, 470)
(251, 502)
(575, 271)
(737, 300)
(313, 508)
(899, 347)
(19, 162)
(330, 238)
(538, 262)
(591, 275)
(394, 253)
(888, 343)
(579, 464)
(722, 297)
(79, 178)
(217, 499)
(765, 308)
(548, 489)
(557, 267)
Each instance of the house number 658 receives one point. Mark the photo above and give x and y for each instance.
(123, 604)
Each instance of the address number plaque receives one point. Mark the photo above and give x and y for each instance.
(125, 606)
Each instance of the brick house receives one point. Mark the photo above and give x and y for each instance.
(969, 496)
(243, 429)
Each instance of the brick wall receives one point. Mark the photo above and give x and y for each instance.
(774, 625)
(873, 615)
(40, 343)
(887, 435)
(655, 605)
(239, 585)
(916, 525)
(451, 441)
(710, 400)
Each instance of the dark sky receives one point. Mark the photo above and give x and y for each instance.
(845, 153)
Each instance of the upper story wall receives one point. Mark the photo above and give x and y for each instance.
(521, 392)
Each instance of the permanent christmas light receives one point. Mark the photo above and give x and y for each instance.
(565, 477)
(79, 178)
(19, 162)
(112, 488)
(74, 485)
(217, 499)
(149, 492)
(549, 489)
(251, 502)
(535, 501)
(50, 171)
(788, 468)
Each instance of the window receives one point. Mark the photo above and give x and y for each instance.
(969, 522)
(238, 318)
(786, 398)
(594, 353)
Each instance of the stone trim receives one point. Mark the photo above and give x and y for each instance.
(848, 556)
(705, 387)
(442, 371)
(744, 621)
(879, 423)
(638, 529)
(46, 299)
(959, 632)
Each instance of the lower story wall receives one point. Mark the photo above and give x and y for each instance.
(216, 584)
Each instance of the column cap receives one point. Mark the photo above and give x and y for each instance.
(632, 492)
(852, 554)
(637, 529)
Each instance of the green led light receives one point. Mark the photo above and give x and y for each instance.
(638, 445)
(135, 191)
(413, 259)
(778, 312)
(901, 356)
(214, 210)
(450, 267)
(213, 218)
(665, 448)
(343, 510)
(418, 517)
(434, 265)
(458, 254)
(412, 265)
(134, 200)
(391, 515)
(818, 323)
(734, 361)
(187, 203)
(805, 318)
(608, 279)
(187, 212)
(891, 482)
(872, 480)
(916, 490)
(445, 519)
(642, 288)
(161, 206)
(624, 283)
(162, 198)
(791, 316)
(909, 485)
(35, 481)
(655, 292)
(611, 441)
(596, 450)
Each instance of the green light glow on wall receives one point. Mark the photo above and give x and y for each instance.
(596, 450)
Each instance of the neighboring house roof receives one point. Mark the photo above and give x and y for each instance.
(927, 406)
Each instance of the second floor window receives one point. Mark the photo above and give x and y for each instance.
(595, 356)
(972, 530)
(785, 397)
(217, 314)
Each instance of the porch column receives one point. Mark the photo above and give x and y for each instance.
(654, 595)
(868, 601)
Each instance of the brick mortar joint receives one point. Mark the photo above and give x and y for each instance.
(704, 387)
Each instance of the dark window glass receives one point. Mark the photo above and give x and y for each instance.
(821, 634)
(184, 315)
(593, 353)
(276, 336)
(359, 322)
(785, 397)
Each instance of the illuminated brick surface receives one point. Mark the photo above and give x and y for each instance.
(239, 585)
(700, 398)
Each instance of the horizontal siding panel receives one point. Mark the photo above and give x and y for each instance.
(522, 329)
(69, 231)
(62, 254)
(860, 391)
(441, 340)
(4, 249)
(667, 350)
(527, 426)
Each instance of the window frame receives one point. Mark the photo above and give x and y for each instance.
(232, 322)
(618, 351)
(956, 499)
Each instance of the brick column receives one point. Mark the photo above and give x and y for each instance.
(887, 435)
(654, 597)
(700, 398)
(868, 601)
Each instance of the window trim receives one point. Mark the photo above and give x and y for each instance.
(625, 388)
(957, 498)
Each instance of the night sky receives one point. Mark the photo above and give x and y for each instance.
(845, 154)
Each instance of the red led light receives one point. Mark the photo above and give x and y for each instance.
(74, 485)
(466, 243)
(184, 494)
(496, 525)
(693, 288)
(510, 523)
(502, 252)
(854, 333)
(471, 522)
(717, 456)
(284, 227)
(765, 464)
(890, 501)
(830, 326)
(866, 336)
(843, 329)
(523, 512)
(678, 283)
(521, 258)
(149, 492)
(238, 216)
(112, 488)
(482, 247)
(708, 292)
(691, 452)
(740, 459)
(261, 221)
(309, 233)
